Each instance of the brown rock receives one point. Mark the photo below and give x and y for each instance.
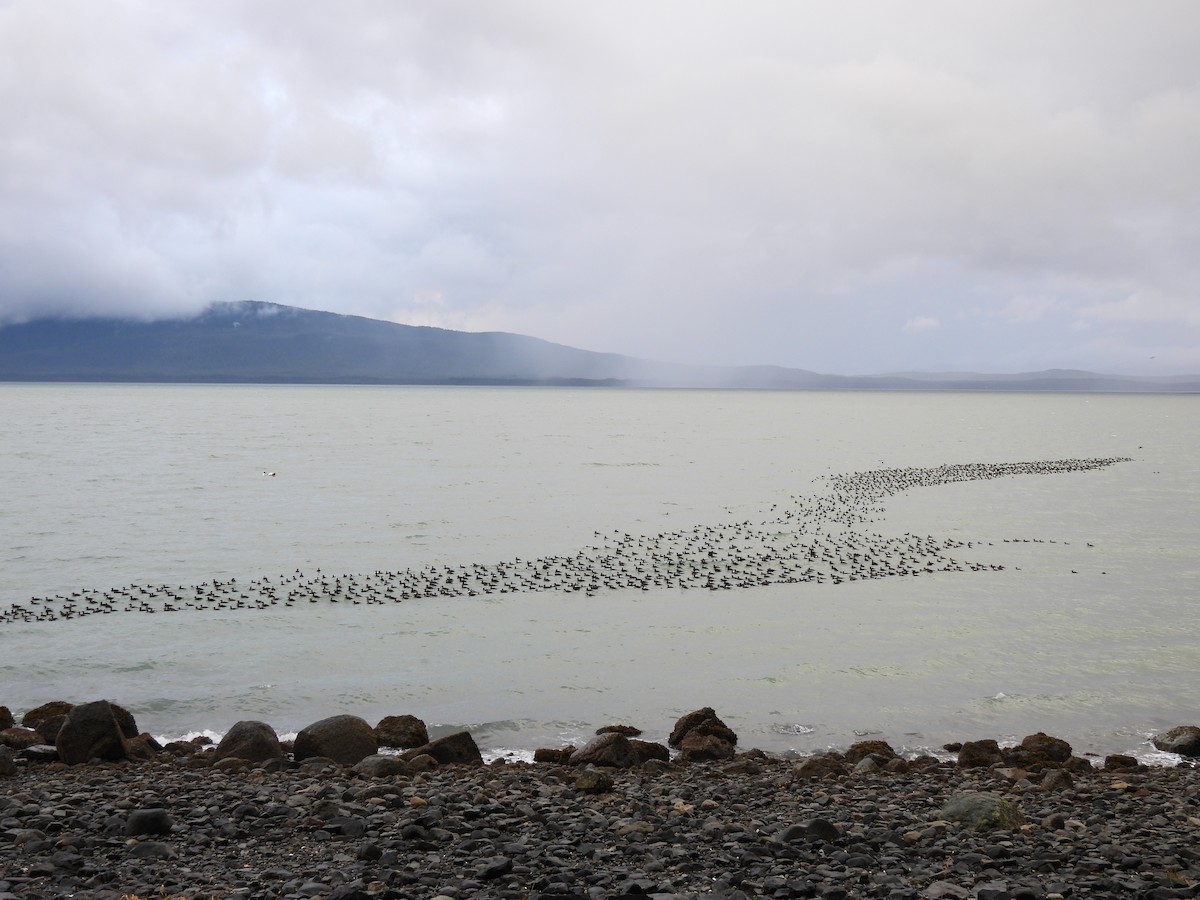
(613, 750)
(555, 755)
(648, 750)
(381, 765)
(19, 738)
(979, 754)
(91, 732)
(345, 739)
(251, 740)
(401, 731)
(862, 749)
(1120, 762)
(1056, 780)
(700, 747)
(628, 730)
(592, 781)
(982, 812)
(1047, 748)
(6, 718)
(125, 721)
(829, 765)
(455, 749)
(706, 721)
(49, 728)
(55, 709)
(144, 746)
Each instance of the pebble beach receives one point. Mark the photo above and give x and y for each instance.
(751, 826)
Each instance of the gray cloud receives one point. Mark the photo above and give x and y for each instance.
(850, 188)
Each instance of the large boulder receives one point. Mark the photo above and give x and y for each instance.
(6, 718)
(982, 812)
(345, 739)
(250, 740)
(1182, 739)
(705, 721)
(401, 731)
(91, 731)
(609, 749)
(8, 765)
(458, 749)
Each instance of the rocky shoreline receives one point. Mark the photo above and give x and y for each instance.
(618, 817)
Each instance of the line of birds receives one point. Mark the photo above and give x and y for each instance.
(817, 539)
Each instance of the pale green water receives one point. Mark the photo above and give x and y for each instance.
(111, 485)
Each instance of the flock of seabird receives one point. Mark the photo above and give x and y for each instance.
(819, 539)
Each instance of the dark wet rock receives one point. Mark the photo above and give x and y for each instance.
(554, 755)
(1182, 739)
(421, 762)
(125, 721)
(827, 765)
(144, 746)
(37, 717)
(250, 740)
(381, 765)
(698, 746)
(41, 753)
(1121, 762)
(1056, 780)
(345, 739)
(611, 749)
(8, 763)
(152, 850)
(593, 781)
(982, 812)
(148, 821)
(458, 749)
(1047, 748)
(706, 719)
(18, 738)
(862, 749)
(91, 732)
(404, 732)
(979, 754)
(6, 718)
(628, 731)
(648, 750)
(822, 830)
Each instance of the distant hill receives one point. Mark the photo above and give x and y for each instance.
(268, 343)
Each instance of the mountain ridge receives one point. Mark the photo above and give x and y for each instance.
(259, 342)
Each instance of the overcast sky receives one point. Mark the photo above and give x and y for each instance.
(849, 187)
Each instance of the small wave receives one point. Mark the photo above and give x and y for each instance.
(795, 728)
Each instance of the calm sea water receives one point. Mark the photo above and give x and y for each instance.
(1089, 632)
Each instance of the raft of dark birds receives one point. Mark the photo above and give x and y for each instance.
(820, 539)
